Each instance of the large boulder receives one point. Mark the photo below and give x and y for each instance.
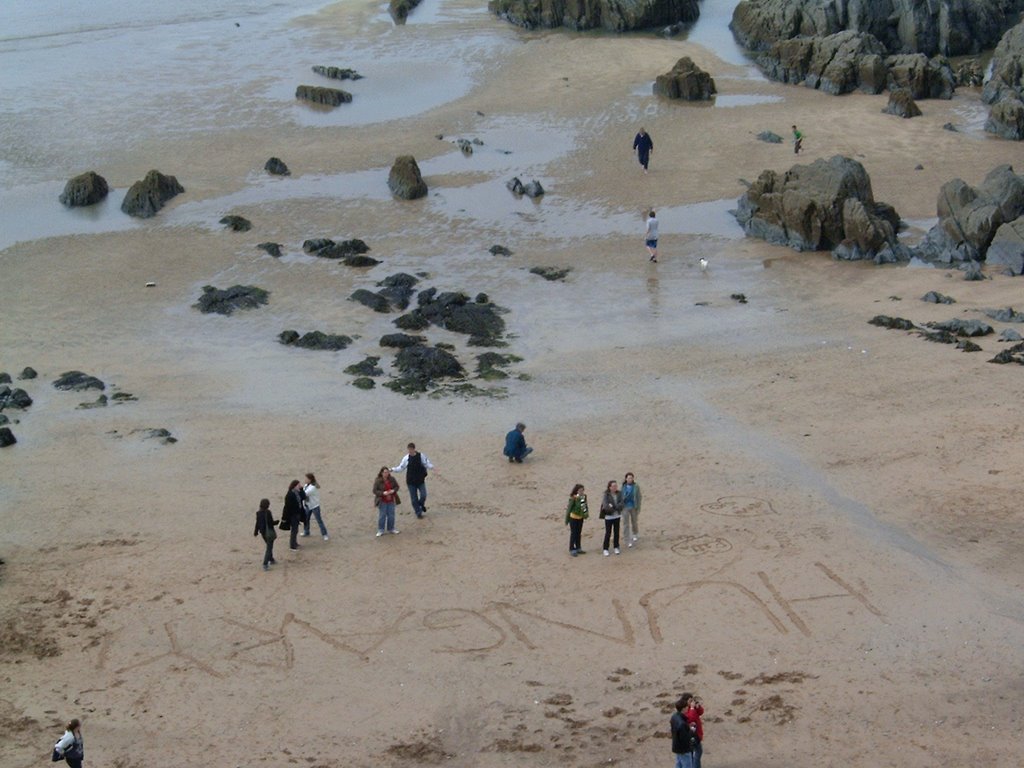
(969, 217)
(1007, 68)
(947, 27)
(276, 167)
(148, 195)
(405, 180)
(685, 81)
(1007, 247)
(620, 16)
(925, 78)
(400, 9)
(837, 64)
(87, 188)
(1006, 118)
(902, 104)
(822, 206)
(317, 94)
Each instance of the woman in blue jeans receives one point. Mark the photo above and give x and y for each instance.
(312, 504)
(385, 497)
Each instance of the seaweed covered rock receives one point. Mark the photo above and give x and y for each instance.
(421, 367)
(405, 180)
(87, 188)
(455, 312)
(275, 166)
(401, 340)
(148, 195)
(400, 9)
(226, 301)
(315, 340)
(76, 381)
(273, 249)
(398, 289)
(14, 398)
(366, 367)
(236, 223)
(317, 94)
(374, 301)
(902, 104)
(7, 437)
(596, 14)
(685, 81)
(337, 73)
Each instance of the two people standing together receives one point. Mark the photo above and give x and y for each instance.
(616, 504)
(386, 487)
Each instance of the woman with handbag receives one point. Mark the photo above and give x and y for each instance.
(70, 746)
(385, 497)
(611, 513)
(292, 514)
(265, 523)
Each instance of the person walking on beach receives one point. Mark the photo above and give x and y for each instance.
(798, 141)
(515, 444)
(292, 514)
(630, 509)
(385, 497)
(415, 465)
(265, 523)
(311, 491)
(651, 236)
(611, 513)
(70, 747)
(576, 512)
(693, 712)
(684, 737)
(643, 145)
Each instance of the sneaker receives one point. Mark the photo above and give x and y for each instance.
(395, 531)
(636, 538)
(294, 548)
(510, 459)
(618, 551)
(630, 544)
(380, 533)
(606, 553)
(326, 537)
(266, 566)
(581, 551)
(574, 552)
(273, 562)
(304, 533)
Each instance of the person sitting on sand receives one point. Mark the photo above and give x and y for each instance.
(515, 444)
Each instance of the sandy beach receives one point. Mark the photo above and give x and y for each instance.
(830, 535)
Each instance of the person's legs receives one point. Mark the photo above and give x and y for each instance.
(390, 521)
(607, 535)
(293, 539)
(418, 495)
(315, 512)
(306, 515)
(697, 755)
(575, 534)
(382, 517)
(680, 761)
(615, 533)
(268, 555)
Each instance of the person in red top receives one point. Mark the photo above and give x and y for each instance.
(692, 713)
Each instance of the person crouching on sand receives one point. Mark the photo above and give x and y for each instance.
(265, 523)
(576, 512)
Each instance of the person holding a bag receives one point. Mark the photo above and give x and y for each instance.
(293, 514)
(70, 746)
(385, 497)
(265, 523)
(611, 513)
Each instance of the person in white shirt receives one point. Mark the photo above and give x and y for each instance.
(415, 465)
(70, 746)
(651, 236)
(312, 504)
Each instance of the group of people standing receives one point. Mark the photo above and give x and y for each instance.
(617, 504)
(301, 506)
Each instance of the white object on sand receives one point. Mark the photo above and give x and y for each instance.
(151, 285)
(703, 264)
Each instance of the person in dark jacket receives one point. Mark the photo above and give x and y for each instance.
(611, 513)
(415, 465)
(385, 497)
(643, 145)
(71, 746)
(693, 713)
(265, 523)
(292, 514)
(576, 511)
(515, 444)
(684, 737)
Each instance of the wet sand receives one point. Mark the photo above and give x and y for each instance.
(829, 538)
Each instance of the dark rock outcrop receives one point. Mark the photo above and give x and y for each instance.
(401, 340)
(499, 250)
(366, 367)
(398, 289)
(328, 249)
(685, 81)
(489, 365)
(596, 14)
(364, 382)
(902, 104)
(769, 137)
(337, 73)
(1006, 119)
(934, 297)
(1005, 89)
(961, 327)
(27, 374)
(455, 312)
(516, 187)
(7, 437)
(274, 249)
(317, 94)
(412, 321)
(894, 323)
(87, 188)
(236, 223)
(76, 381)
(276, 167)
(14, 398)
(400, 9)
(827, 205)
(836, 64)
(422, 366)
(925, 78)
(315, 340)
(1007, 247)
(147, 196)
(551, 273)
(969, 217)
(1005, 315)
(226, 301)
(374, 301)
(405, 180)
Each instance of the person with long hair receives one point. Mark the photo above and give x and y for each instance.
(693, 713)
(265, 523)
(70, 746)
(631, 499)
(312, 503)
(576, 512)
(292, 514)
(385, 497)
(611, 513)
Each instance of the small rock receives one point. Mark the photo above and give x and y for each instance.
(7, 437)
(374, 301)
(315, 340)
(85, 189)
(28, 373)
(771, 138)
(236, 223)
(224, 302)
(499, 250)
(551, 273)
(331, 97)
(276, 167)
(147, 196)
(401, 340)
(739, 297)
(367, 367)
(364, 382)
(77, 381)
(896, 323)
(337, 73)
(934, 297)
(274, 249)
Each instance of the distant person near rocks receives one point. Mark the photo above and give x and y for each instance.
(515, 444)
(415, 465)
(798, 141)
(631, 499)
(576, 511)
(265, 523)
(651, 236)
(311, 490)
(643, 145)
(70, 747)
(385, 498)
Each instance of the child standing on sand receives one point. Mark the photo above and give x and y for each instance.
(798, 141)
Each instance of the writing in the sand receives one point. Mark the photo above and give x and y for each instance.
(760, 606)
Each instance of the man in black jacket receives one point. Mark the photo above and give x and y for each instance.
(415, 465)
(684, 737)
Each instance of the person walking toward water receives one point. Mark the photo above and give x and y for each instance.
(611, 513)
(311, 490)
(643, 145)
(265, 523)
(70, 747)
(385, 497)
(415, 465)
(515, 444)
(798, 141)
(292, 514)
(630, 509)
(651, 236)
(576, 512)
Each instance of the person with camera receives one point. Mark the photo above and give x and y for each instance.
(693, 712)
(685, 740)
